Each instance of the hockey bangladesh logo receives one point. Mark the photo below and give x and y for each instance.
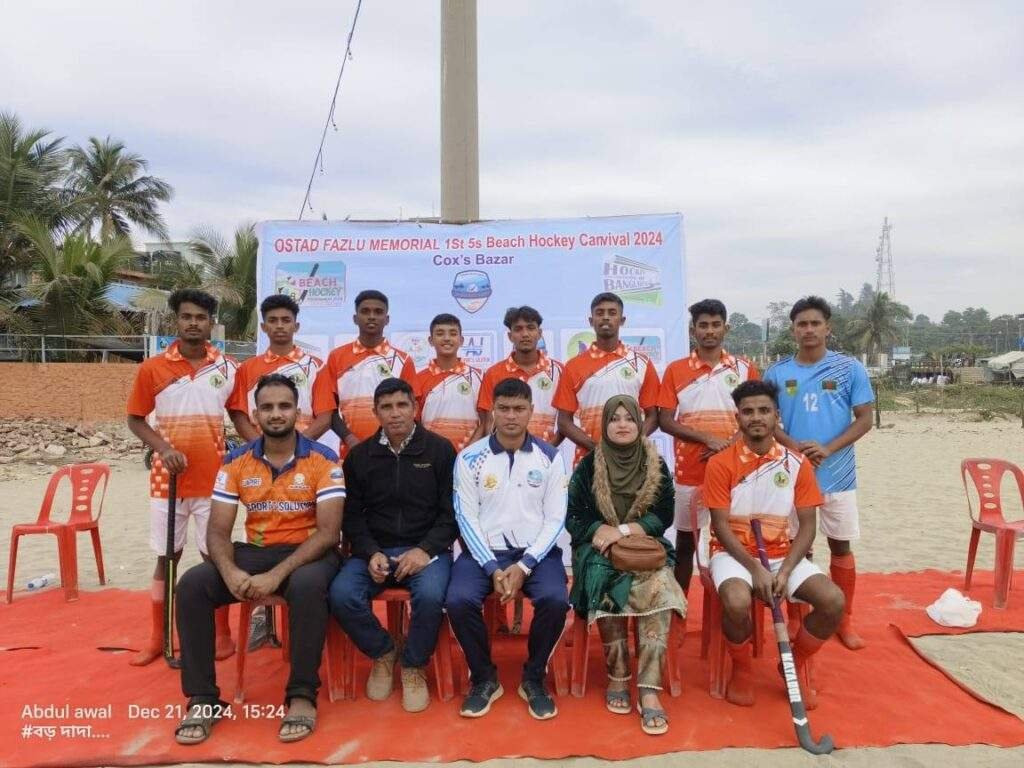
(633, 281)
(471, 288)
(781, 479)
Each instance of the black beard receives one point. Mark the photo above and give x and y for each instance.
(283, 432)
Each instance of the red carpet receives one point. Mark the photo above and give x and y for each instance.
(880, 696)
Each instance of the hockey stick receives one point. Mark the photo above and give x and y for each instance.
(170, 575)
(796, 702)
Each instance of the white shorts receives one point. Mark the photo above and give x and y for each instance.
(837, 518)
(198, 508)
(724, 566)
(688, 496)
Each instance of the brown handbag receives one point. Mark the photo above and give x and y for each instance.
(637, 552)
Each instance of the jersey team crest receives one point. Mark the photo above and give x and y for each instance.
(781, 479)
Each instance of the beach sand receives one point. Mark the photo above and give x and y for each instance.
(913, 516)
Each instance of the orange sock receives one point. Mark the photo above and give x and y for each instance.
(740, 690)
(224, 646)
(805, 645)
(154, 647)
(843, 570)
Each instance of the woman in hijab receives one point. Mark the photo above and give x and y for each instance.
(624, 486)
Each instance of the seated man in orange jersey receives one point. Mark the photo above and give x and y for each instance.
(758, 477)
(293, 491)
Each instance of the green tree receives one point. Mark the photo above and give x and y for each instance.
(71, 280)
(111, 191)
(229, 273)
(879, 326)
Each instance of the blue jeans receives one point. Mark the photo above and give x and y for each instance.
(352, 593)
(547, 592)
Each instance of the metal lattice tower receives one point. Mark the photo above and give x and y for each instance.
(884, 280)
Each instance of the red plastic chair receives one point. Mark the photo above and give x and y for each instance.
(334, 647)
(987, 475)
(84, 479)
(672, 670)
(397, 602)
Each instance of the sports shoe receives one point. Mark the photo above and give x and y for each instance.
(382, 677)
(258, 628)
(538, 700)
(415, 696)
(481, 695)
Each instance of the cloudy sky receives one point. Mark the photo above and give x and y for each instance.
(783, 136)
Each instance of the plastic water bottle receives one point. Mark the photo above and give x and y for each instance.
(41, 581)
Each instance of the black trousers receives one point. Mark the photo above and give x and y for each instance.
(202, 590)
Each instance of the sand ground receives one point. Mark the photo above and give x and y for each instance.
(913, 516)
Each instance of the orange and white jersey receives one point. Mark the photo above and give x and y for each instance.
(594, 376)
(767, 488)
(350, 376)
(297, 365)
(701, 398)
(447, 401)
(543, 380)
(188, 407)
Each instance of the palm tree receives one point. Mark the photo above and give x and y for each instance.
(108, 184)
(878, 325)
(231, 277)
(32, 165)
(72, 279)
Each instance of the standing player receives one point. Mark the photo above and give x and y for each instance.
(280, 322)
(696, 408)
(353, 371)
(447, 389)
(818, 389)
(528, 363)
(606, 369)
(187, 389)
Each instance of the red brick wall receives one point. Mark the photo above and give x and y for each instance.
(73, 391)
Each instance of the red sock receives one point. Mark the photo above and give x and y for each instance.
(740, 690)
(154, 647)
(843, 570)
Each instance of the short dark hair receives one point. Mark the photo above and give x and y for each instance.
(275, 380)
(192, 296)
(525, 312)
(513, 388)
(711, 307)
(390, 386)
(811, 302)
(370, 294)
(279, 301)
(445, 319)
(755, 387)
(603, 297)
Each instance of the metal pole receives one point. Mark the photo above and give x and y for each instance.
(42, 348)
(460, 161)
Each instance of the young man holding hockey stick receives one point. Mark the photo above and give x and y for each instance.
(756, 477)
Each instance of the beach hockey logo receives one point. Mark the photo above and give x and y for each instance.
(312, 283)
(534, 478)
(471, 289)
(632, 281)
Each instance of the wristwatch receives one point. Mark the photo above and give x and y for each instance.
(624, 530)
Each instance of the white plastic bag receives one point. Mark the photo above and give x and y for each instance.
(952, 609)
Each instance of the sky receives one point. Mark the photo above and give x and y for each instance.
(783, 132)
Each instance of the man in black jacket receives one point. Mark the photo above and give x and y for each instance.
(400, 523)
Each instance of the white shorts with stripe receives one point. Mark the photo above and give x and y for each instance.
(198, 508)
(687, 497)
(838, 517)
(724, 566)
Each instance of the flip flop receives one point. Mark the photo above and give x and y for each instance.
(307, 721)
(197, 721)
(647, 717)
(620, 698)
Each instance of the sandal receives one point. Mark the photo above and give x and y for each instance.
(648, 716)
(617, 702)
(307, 721)
(196, 719)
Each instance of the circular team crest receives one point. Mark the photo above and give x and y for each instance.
(298, 379)
(384, 370)
(464, 388)
(628, 373)
(217, 381)
(732, 380)
(781, 479)
(544, 383)
(534, 478)
(490, 482)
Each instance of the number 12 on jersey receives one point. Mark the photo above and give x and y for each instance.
(811, 402)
